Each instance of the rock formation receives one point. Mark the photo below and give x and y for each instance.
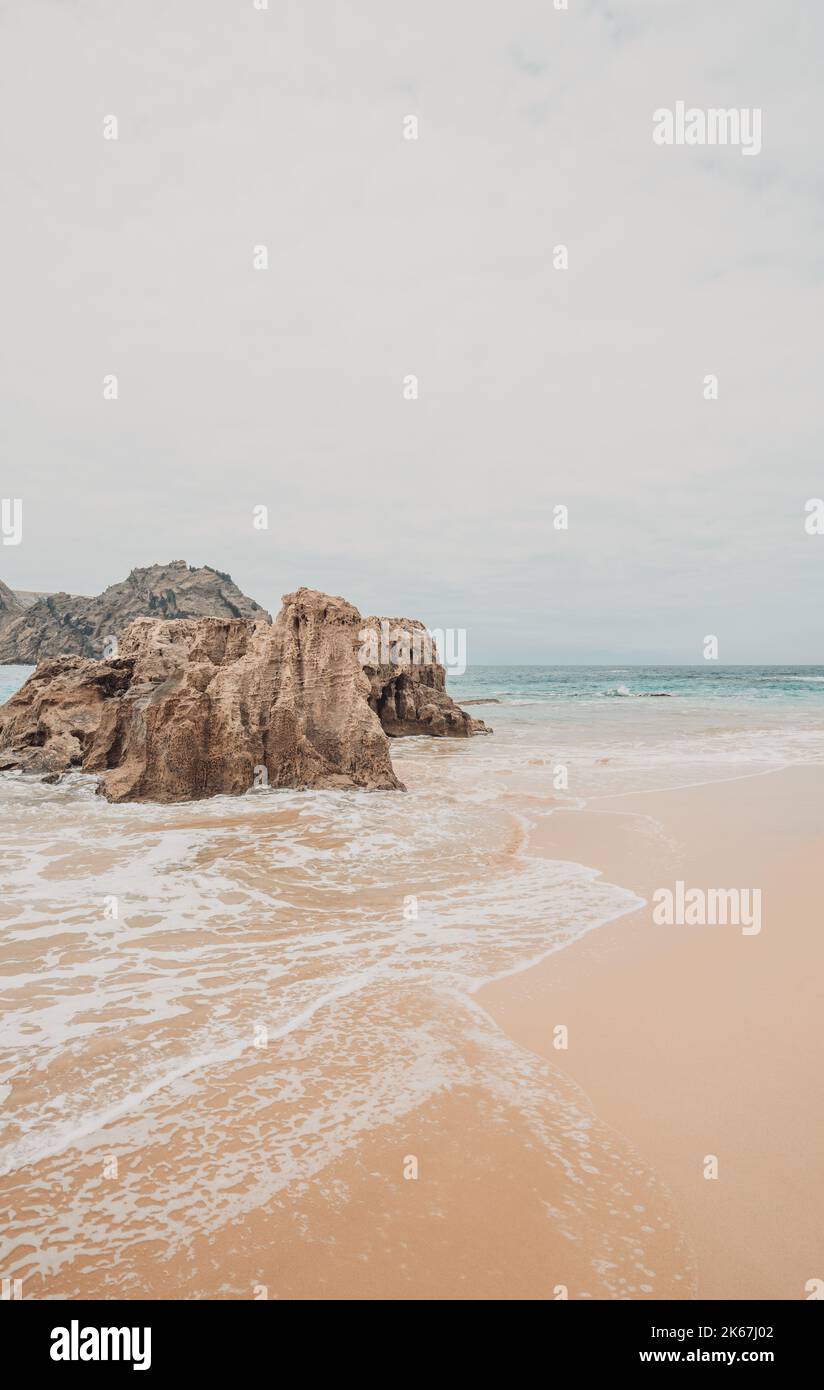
(408, 682)
(69, 624)
(10, 605)
(196, 708)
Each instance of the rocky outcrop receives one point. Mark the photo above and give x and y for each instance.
(408, 682)
(10, 605)
(69, 624)
(196, 708)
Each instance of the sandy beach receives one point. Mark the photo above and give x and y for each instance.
(313, 1055)
(686, 1042)
(699, 1040)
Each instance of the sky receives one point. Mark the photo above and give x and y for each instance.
(389, 257)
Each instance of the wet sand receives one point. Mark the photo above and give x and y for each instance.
(693, 1041)
(537, 1173)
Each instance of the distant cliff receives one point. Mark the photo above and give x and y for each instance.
(10, 605)
(71, 625)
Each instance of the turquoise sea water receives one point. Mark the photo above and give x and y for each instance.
(709, 681)
(643, 726)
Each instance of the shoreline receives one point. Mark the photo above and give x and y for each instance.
(539, 1168)
(663, 1021)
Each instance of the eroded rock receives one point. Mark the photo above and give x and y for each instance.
(408, 682)
(197, 708)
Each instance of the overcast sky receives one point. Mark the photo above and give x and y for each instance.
(388, 257)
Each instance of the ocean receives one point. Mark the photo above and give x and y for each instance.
(708, 682)
(238, 990)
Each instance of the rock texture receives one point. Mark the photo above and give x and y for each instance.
(68, 624)
(407, 681)
(10, 605)
(195, 708)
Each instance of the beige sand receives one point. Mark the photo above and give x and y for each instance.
(699, 1040)
(687, 1041)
